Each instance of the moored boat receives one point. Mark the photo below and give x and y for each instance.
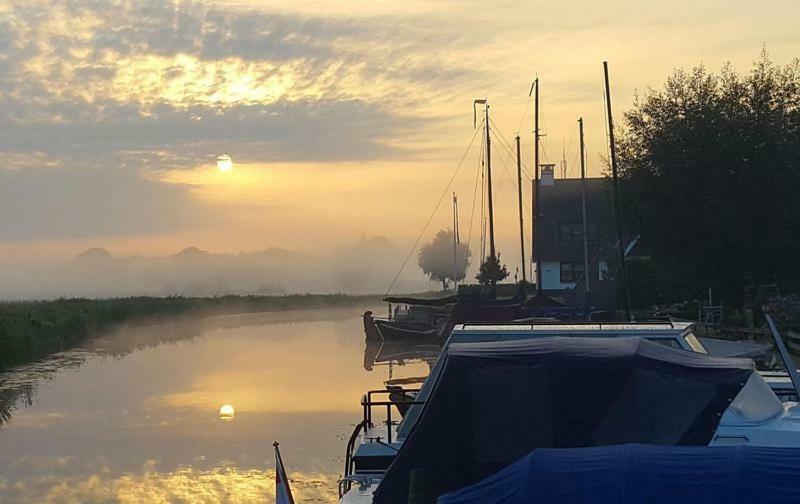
(635, 473)
(742, 409)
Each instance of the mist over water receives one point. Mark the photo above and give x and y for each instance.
(134, 416)
(364, 268)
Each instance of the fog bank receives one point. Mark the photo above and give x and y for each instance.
(367, 267)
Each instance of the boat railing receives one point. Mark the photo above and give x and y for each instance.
(345, 482)
(369, 401)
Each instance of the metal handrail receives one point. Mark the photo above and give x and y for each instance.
(367, 403)
(344, 484)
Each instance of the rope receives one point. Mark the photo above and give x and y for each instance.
(430, 218)
(510, 150)
(475, 195)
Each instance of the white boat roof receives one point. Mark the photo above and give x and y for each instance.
(595, 328)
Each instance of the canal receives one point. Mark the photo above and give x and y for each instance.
(135, 415)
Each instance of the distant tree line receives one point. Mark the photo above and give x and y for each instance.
(710, 174)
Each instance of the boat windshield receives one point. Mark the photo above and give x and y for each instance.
(667, 342)
(693, 342)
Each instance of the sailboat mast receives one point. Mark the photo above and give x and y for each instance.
(583, 210)
(489, 186)
(455, 242)
(617, 219)
(536, 187)
(521, 224)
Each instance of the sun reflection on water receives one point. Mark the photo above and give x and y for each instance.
(219, 484)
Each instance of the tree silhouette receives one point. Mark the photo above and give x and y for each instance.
(710, 173)
(491, 271)
(437, 262)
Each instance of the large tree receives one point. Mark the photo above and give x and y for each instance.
(437, 261)
(710, 170)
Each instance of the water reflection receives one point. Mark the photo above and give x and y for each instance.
(135, 416)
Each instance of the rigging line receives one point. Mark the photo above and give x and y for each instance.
(510, 177)
(569, 145)
(430, 218)
(510, 148)
(475, 195)
(513, 158)
(474, 200)
(574, 163)
(508, 174)
(524, 113)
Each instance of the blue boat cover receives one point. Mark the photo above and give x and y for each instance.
(494, 402)
(642, 473)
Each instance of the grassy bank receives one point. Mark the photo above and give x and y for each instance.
(31, 330)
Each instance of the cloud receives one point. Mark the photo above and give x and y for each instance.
(98, 97)
(165, 75)
(299, 130)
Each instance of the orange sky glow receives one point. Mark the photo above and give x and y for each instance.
(342, 118)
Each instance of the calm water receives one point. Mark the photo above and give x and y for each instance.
(134, 417)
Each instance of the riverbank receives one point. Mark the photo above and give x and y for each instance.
(31, 330)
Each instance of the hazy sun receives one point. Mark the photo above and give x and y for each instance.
(226, 413)
(224, 163)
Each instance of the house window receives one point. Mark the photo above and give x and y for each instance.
(571, 272)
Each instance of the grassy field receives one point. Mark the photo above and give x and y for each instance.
(31, 330)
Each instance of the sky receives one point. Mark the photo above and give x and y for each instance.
(343, 119)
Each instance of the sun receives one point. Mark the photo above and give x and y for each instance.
(224, 163)
(226, 413)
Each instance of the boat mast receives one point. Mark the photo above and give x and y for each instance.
(485, 103)
(616, 206)
(583, 222)
(521, 224)
(489, 186)
(455, 242)
(535, 183)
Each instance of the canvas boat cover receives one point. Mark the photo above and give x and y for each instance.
(634, 473)
(494, 402)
